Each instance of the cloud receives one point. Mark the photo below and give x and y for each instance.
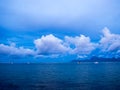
(50, 44)
(80, 44)
(41, 13)
(47, 56)
(109, 43)
(81, 56)
(13, 50)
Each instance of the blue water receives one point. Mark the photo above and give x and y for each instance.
(84, 76)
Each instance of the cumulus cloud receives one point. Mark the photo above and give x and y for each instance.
(80, 44)
(81, 56)
(110, 42)
(47, 56)
(50, 44)
(13, 50)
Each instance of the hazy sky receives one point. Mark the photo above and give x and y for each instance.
(62, 30)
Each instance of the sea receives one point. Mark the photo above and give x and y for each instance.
(60, 76)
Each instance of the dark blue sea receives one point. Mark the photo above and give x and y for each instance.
(62, 76)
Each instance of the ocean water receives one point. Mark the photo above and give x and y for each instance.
(66, 76)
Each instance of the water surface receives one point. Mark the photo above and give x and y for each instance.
(67, 76)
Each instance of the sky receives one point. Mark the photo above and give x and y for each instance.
(58, 31)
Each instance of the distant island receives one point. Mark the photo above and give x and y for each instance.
(97, 59)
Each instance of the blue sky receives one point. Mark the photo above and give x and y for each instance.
(58, 31)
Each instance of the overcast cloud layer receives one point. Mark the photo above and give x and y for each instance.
(74, 15)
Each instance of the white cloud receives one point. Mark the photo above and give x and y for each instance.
(109, 42)
(80, 44)
(13, 50)
(50, 44)
(47, 56)
(81, 56)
